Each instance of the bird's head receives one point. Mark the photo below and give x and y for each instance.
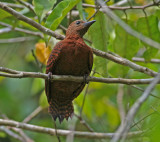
(78, 27)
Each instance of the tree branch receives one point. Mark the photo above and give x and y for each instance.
(14, 5)
(17, 39)
(125, 7)
(26, 4)
(5, 30)
(50, 131)
(137, 59)
(127, 28)
(123, 61)
(10, 133)
(22, 30)
(124, 128)
(33, 114)
(5, 72)
(30, 21)
(96, 51)
(83, 122)
(18, 131)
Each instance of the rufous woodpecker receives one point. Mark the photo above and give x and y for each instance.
(70, 56)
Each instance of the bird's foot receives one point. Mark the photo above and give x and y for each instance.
(49, 76)
(85, 78)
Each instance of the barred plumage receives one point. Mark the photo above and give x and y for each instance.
(70, 56)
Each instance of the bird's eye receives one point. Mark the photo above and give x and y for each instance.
(78, 22)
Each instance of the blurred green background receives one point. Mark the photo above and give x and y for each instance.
(20, 97)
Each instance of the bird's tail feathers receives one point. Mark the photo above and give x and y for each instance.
(60, 110)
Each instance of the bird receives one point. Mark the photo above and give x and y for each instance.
(70, 56)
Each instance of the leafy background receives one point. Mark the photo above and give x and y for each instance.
(20, 97)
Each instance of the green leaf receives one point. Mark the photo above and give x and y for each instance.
(149, 27)
(41, 7)
(117, 70)
(4, 14)
(124, 44)
(99, 38)
(43, 100)
(80, 9)
(157, 13)
(59, 12)
(37, 85)
(2, 135)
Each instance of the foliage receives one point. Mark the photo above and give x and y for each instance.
(19, 97)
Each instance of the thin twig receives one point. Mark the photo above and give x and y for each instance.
(125, 7)
(142, 90)
(14, 5)
(142, 119)
(20, 74)
(97, 9)
(85, 94)
(127, 28)
(33, 114)
(137, 59)
(82, 121)
(119, 3)
(22, 30)
(17, 39)
(30, 21)
(123, 129)
(10, 133)
(96, 52)
(123, 61)
(37, 62)
(26, 4)
(19, 131)
(120, 102)
(51, 131)
(5, 30)
(56, 133)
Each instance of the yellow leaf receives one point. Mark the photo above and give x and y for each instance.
(1, 78)
(90, 2)
(142, 2)
(89, 11)
(42, 52)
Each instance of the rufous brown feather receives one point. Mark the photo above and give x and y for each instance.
(70, 56)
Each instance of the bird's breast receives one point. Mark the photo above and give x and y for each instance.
(73, 60)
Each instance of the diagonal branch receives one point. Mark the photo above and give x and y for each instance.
(28, 5)
(50, 131)
(138, 59)
(14, 5)
(127, 28)
(33, 114)
(22, 30)
(10, 133)
(97, 52)
(124, 128)
(126, 7)
(5, 72)
(30, 21)
(125, 62)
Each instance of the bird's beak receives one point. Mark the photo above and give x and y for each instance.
(88, 24)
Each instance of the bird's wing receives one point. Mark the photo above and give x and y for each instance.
(51, 64)
(90, 60)
(53, 58)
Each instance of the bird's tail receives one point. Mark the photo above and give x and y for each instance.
(60, 110)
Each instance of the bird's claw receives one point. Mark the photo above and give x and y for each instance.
(49, 76)
(85, 78)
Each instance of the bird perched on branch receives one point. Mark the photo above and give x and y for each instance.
(70, 56)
